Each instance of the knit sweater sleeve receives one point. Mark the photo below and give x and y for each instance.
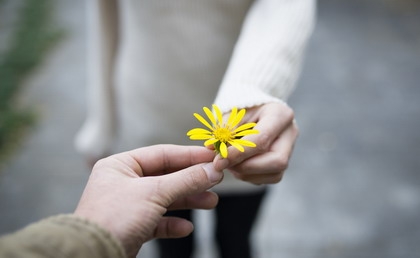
(61, 236)
(96, 135)
(267, 56)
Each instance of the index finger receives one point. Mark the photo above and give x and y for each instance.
(163, 159)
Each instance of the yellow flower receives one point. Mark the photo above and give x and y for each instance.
(221, 134)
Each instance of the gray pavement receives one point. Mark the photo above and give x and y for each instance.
(353, 188)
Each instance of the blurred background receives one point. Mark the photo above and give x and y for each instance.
(353, 187)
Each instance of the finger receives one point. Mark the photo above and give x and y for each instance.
(267, 163)
(205, 200)
(173, 227)
(162, 159)
(189, 181)
(269, 168)
(270, 125)
(273, 119)
(260, 179)
(276, 160)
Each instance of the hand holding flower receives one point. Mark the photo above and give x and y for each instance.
(266, 163)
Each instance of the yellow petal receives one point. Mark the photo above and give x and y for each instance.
(198, 131)
(210, 115)
(245, 126)
(238, 118)
(246, 132)
(210, 142)
(218, 114)
(200, 136)
(203, 121)
(245, 143)
(238, 146)
(232, 117)
(223, 150)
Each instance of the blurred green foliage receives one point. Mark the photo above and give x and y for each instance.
(34, 34)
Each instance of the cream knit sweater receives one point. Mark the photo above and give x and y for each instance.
(153, 63)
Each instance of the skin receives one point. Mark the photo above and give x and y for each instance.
(266, 163)
(128, 193)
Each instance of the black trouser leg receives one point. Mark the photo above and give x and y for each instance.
(235, 216)
(180, 247)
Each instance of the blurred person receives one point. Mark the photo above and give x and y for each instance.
(153, 63)
(123, 204)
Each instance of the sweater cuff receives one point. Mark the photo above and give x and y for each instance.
(247, 97)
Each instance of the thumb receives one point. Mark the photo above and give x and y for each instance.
(189, 181)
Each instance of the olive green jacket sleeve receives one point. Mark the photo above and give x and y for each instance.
(61, 236)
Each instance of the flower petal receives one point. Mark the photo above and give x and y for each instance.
(238, 118)
(203, 121)
(200, 137)
(198, 131)
(232, 117)
(218, 114)
(210, 115)
(246, 132)
(244, 127)
(245, 143)
(210, 142)
(223, 150)
(236, 145)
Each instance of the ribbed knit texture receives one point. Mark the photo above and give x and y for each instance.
(174, 57)
(267, 58)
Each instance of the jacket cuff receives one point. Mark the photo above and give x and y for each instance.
(62, 236)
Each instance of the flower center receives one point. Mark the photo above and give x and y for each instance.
(223, 134)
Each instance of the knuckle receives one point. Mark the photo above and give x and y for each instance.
(193, 182)
(277, 178)
(264, 143)
(101, 164)
(289, 114)
(297, 131)
(286, 113)
(281, 163)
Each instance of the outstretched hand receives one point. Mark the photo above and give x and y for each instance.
(128, 193)
(266, 163)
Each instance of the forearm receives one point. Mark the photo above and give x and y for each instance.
(266, 60)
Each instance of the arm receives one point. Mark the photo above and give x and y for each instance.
(61, 236)
(266, 60)
(261, 75)
(123, 205)
(128, 193)
(96, 136)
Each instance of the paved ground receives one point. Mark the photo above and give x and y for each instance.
(353, 189)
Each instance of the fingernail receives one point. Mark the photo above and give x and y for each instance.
(212, 174)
